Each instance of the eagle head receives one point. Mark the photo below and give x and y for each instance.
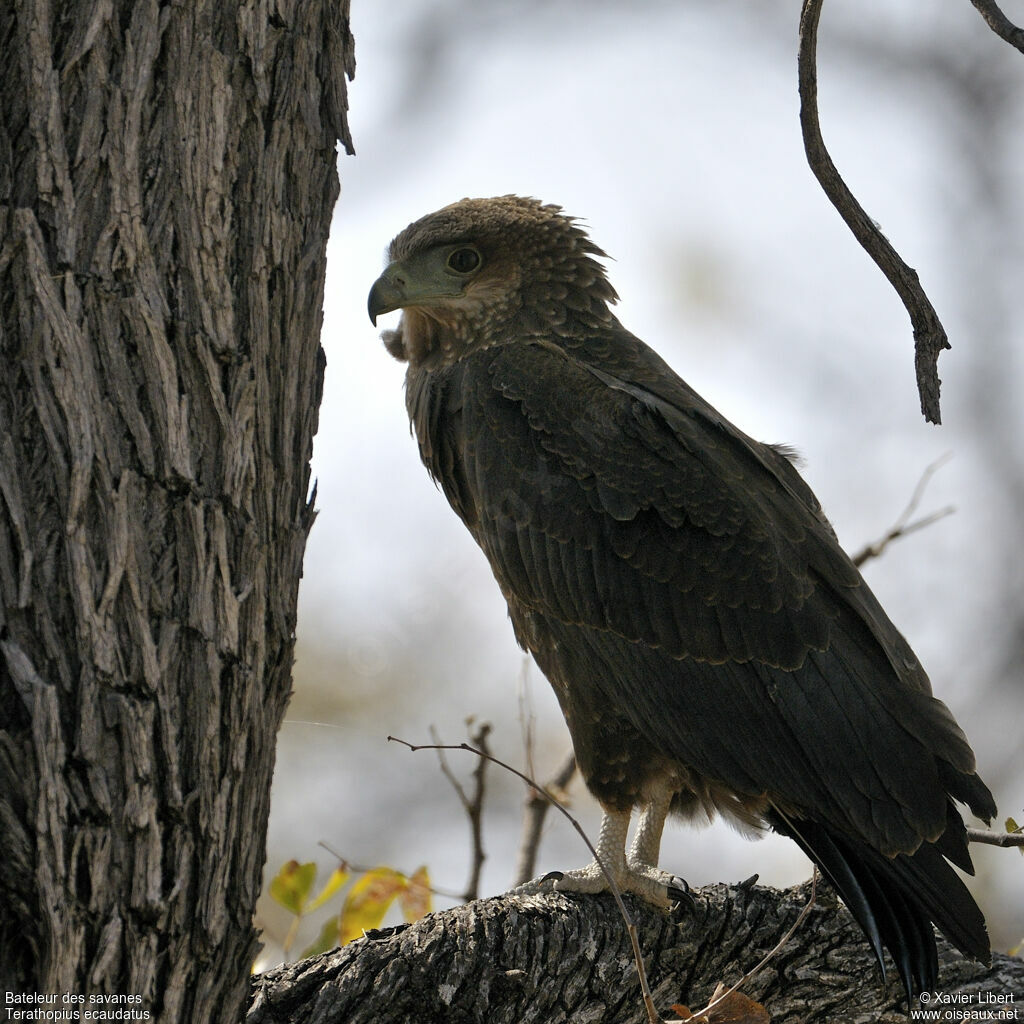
(484, 272)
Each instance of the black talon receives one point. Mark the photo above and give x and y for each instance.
(553, 876)
(681, 893)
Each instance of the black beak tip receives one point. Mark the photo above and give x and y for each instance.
(376, 302)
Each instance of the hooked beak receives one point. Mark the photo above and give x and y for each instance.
(387, 294)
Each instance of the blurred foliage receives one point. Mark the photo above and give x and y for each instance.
(367, 901)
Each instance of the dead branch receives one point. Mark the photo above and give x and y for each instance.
(535, 812)
(1000, 23)
(981, 835)
(903, 524)
(473, 805)
(929, 335)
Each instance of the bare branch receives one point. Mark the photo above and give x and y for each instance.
(473, 806)
(981, 835)
(1000, 23)
(903, 525)
(929, 335)
(534, 813)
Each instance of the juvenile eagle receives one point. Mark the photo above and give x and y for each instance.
(711, 646)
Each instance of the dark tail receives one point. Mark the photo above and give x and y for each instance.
(896, 900)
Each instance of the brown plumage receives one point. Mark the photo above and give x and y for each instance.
(711, 646)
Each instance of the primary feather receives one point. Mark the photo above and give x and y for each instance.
(676, 580)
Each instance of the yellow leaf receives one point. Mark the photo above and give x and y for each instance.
(1013, 828)
(415, 897)
(368, 901)
(291, 886)
(338, 878)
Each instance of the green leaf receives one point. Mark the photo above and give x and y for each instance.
(1013, 828)
(292, 884)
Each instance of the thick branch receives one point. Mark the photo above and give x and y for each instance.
(1000, 23)
(559, 958)
(1004, 839)
(929, 335)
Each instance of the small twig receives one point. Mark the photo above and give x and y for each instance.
(535, 811)
(1000, 23)
(720, 997)
(652, 1014)
(903, 525)
(473, 806)
(361, 869)
(929, 335)
(981, 835)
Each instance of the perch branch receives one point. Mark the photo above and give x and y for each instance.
(981, 835)
(929, 335)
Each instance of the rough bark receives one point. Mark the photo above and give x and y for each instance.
(167, 176)
(558, 959)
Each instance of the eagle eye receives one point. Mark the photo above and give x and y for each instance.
(464, 260)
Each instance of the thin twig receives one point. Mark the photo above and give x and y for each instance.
(535, 811)
(903, 525)
(473, 806)
(652, 1014)
(929, 335)
(361, 869)
(1000, 23)
(981, 835)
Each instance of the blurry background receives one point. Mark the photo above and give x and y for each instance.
(672, 129)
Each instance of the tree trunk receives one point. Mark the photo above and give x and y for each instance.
(559, 959)
(167, 176)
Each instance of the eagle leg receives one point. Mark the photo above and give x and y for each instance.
(638, 873)
(643, 854)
